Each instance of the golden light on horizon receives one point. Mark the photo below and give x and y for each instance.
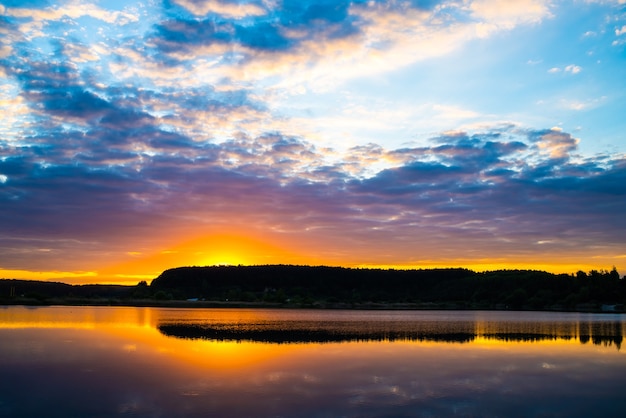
(46, 275)
(214, 248)
(251, 247)
(232, 249)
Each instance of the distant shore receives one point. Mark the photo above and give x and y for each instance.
(322, 287)
(216, 304)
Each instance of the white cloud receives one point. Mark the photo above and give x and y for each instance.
(16, 114)
(201, 8)
(575, 105)
(574, 69)
(621, 31)
(5, 51)
(454, 113)
(583, 104)
(508, 14)
(321, 60)
(74, 10)
(557, 144)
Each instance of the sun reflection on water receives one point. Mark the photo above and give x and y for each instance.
(118, 361)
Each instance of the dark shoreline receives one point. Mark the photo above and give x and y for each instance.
(216, 304)
(322, 287)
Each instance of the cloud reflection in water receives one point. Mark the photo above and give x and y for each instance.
(536, 367)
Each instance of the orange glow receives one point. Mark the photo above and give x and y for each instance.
(231, 249)
(228, 355)
(211, 248)
(569, 266)
(46, 275)
(219, 248)
(251, 247)
(135, 329)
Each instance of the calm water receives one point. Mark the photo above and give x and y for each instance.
(145, 362)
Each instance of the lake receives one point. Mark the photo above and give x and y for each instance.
(154, 362)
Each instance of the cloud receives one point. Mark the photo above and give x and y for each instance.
(79, 53)
(499, 190)
(500, 195)
(573, 69)
(555, 143)
(320, 44)
(583, 104)
(72, 9)
(508, 14)
(224, 8)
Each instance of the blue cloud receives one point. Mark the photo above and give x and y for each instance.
(26, 3)
(174, 32)
(517, 202)
(264, 35)
(266, 32)
(76, 103)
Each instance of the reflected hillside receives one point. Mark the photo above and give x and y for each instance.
(608, 333)
(309, 334)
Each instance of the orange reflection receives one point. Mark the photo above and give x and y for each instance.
(123, 364)
(134, 330)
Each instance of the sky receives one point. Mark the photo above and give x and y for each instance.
(137, 136)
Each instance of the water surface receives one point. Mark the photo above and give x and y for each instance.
(148, 362)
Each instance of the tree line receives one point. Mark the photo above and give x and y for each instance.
(463, 288)
(323, 286)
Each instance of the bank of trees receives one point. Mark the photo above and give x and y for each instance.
(41, 292)
(308, 286)
(319, 286)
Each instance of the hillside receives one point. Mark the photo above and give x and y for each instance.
(306, 285)
(337, 287)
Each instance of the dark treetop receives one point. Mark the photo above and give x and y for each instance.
(306, 285)
(320, 286)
